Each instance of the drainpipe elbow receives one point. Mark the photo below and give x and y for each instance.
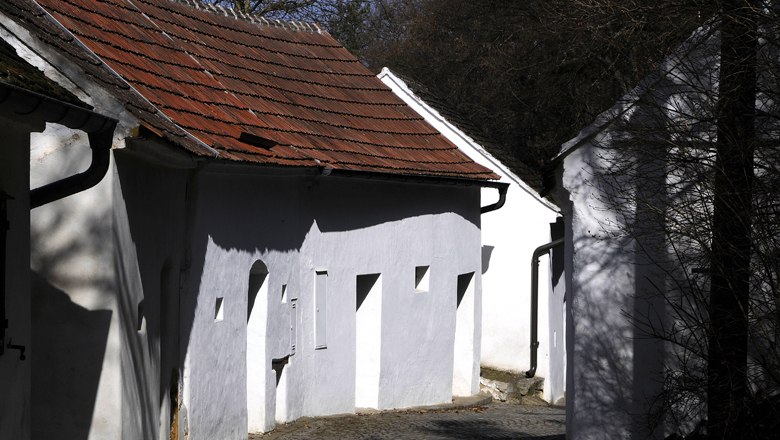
(100, 143)
(502, 189)
(538, 252)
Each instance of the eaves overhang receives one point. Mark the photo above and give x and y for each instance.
(31, 105)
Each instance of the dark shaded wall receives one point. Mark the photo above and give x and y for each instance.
(151, 235)
(15, 405)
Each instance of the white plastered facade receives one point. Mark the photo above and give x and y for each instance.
(617, 257)
(155, 263)
(325, 244)
(509, 237)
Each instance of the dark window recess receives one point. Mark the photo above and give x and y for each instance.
(257, 141)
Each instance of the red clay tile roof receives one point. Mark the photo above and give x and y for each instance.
(244, 88)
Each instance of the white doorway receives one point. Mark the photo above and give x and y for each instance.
(464, 359)
(368, 338)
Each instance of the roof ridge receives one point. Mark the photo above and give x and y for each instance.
(289, 25)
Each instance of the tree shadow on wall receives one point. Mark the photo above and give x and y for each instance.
(635, 195)
(66, 363)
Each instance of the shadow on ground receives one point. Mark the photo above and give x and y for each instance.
(481, 429)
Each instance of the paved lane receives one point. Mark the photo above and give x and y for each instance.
(496, 421)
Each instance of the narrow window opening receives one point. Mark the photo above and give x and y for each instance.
(421, 279)
(278, 365)
(219, 313)
(320, 308)
(293, 325)
(464, 281)
(284, 293)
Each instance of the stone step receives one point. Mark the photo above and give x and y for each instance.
(510, 386)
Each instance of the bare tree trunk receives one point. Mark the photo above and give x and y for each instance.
(731, 245)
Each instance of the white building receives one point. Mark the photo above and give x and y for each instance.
(509, 238)
(28, 102)
(633, 186)
(277, 235)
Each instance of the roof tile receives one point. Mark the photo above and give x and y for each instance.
(211, 80)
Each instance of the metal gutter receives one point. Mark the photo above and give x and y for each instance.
(99, 128)
(100, 144)
(501, 200)
(538, 252)
(403, 84)
(327, 171)
(502, 187)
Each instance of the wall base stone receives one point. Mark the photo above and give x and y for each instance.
(510, 386)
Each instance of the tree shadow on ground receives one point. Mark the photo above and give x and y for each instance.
(482, 429)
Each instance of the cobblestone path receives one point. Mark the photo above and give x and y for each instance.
(496, 421)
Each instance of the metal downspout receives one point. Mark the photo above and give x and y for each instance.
(538, 252)
(30, 105)
(501, 199)
(100, 144)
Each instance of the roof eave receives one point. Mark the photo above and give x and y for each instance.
(625, 103)
(421, 178)
(26, 103)
(391, 76)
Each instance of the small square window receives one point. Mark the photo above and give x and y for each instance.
(219, 313)
(421, 279)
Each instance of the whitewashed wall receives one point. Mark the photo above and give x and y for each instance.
(615, 370)
(105, 265)
(125, 333)
(299, 227)
(600, 337)
(75, 344)
(618, 254)
(76, 382)
(509, 237)
(151, 238)
(110, 259)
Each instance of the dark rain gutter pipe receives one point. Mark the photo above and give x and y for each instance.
(502, 187)
(501, 200)
(538, 252)
(100, 144)
(100, 129)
